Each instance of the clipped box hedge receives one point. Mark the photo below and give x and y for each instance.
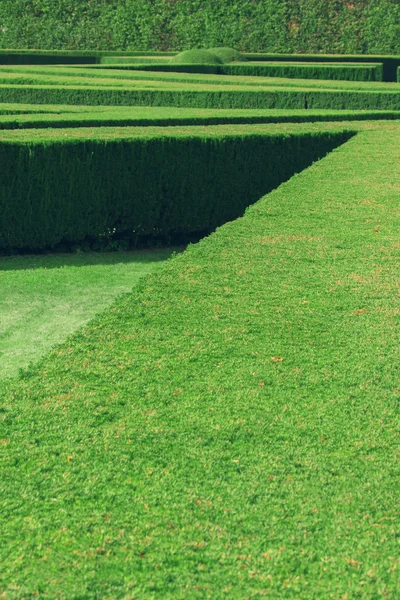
(170, 117)
(71, 188)
(361, 72)
(390, 63)
(40, 58)
(257, 97)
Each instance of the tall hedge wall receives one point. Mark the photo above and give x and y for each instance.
(339, 26)
(72, 189)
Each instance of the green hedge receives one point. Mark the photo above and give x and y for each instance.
(196, 57)
(164, 67)
(74, 189)
(160, 61)
(134, 60)
(212, 98)
(162, 117)
(362, 26)
(370, 72)
(33, 58)
(390, 63)
(360, 72)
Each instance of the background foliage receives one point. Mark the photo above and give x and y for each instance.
(341, 26)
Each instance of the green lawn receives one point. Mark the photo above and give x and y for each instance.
(230, 428)
(45, 298)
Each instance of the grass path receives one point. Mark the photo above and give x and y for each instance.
(229, 429)
(45, 298)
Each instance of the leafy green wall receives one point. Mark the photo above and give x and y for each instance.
(338, 26)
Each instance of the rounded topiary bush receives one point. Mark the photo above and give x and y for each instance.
(228, 55)
(196, 57)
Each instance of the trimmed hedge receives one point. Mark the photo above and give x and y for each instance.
(165, 67)
(367, 72)
(167, 117)
(390, 63)
(353, 72)
(33, 58)
(38, 57)
(196, 57)
(212, 98)
(134, 60)
(227, 55)
(69, 190)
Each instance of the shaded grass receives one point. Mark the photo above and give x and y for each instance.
(230, 428)
(45, 298)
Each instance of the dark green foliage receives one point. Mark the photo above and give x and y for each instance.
(227, 55)
(196, 57)
(162, 61)
(23, 119)
(174, 67)
(70, 190)
(134, 60)
(169, 66)
(372, 72)
(35, 58)
(212, 98)
(361, 26)
(390, 63)
(338, 71)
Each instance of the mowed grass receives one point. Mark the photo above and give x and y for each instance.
(230, 428)
(45, 298)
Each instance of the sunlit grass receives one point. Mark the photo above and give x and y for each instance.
(45, 298)
(228, 429)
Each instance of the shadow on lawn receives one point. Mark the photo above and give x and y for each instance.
(85, 259)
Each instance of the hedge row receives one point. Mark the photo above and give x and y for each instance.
(165, 67)
(42, 57)
(74, 189)
(54, 57)
(132, 60)
(290, 98)
(34, 58)
(365, 26)
(113, 119)
(390, 63)
(366, 72)
(124, 75)
(98, 54)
